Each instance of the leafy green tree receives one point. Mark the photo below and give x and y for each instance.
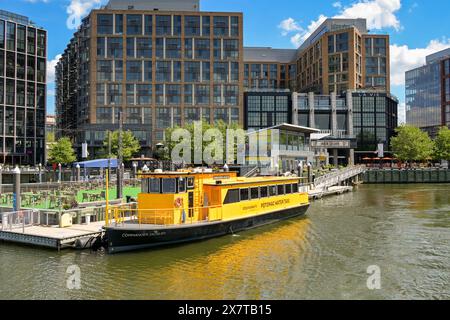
(412, 144)
(130, 145)
(215, 145)
(62, 152)
(50, 137)
(442, 144)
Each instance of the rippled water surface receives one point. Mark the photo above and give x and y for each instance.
(405, 230)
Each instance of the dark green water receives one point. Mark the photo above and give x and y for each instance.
(405, 230)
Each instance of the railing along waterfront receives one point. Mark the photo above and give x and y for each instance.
(333, 178)
(119, 216)
(19, 220)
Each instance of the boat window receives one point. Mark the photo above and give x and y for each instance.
(280, 190)
(272, 191)
(144, 186)
(154, 185)
(263, 191)
(232, 196)
(181, 185)
(169, 185)
(190, 183)
(254, 193)
(244, 194)
(288, 189)
(294, 188)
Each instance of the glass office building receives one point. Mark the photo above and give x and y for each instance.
(23, 52)
(426, 98)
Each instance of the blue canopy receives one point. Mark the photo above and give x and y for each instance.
(98, 163)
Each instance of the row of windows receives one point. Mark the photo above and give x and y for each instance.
(168, 48)
(27, 146)
(237, 195)
(22, 93)
(167, 94)
(167, 25)
(16, 37)
(22, 122)
(22, 66)
(166, 185)
(167, 71)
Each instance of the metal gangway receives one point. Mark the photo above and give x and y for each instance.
(337, 177)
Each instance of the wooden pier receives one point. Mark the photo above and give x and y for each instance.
(52, 237)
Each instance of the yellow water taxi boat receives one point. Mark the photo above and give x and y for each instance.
(176, 207)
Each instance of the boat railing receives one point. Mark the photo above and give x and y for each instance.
(119, 216)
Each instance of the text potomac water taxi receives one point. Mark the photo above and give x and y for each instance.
(182, 206)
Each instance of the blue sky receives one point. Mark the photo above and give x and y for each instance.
(417, 27)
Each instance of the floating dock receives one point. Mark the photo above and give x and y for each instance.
(52, 237)
(321, 193)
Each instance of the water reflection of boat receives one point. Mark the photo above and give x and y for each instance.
(176, 207)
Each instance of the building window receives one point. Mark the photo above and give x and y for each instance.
(188, 47)
(177, 25)
(221, 114)
(119, 23)
(144, 48)
(101, 47)
(115, 94)
(206, 71)
(163, 118)
(115, 48)
(192, 72)
(11, 36)
(148, 25)
(206, 26)
(131, 48)
(105, 24)
(133, 116)
(202, 94)
(163, 71)
(41, 43)
(221, 26)
(202, 49)
(192, 26)
(163, 25)
(147, 71)
(134, 24)
(2, 37)
(188, 91)
(191, 115)
(231, 49)
(173, 48)
(134, 71)
(118, 67)
(21, 38)
(104, 115)
(221, 71)
(173, 94)
(104, 70)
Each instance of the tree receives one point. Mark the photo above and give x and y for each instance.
(50, 137)
(62, 152)
(130, 145)
(214, 144)
(412, 144)
(442, 145)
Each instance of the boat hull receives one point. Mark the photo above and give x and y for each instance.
(128, 238)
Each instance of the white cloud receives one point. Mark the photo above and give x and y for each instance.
(77, 9)
(404, 58)
(35, 1)
(289, 25)
(51, 69)
(378, 13)
(337, 4)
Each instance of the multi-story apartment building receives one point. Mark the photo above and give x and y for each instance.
(428, 93)
(339, 55)
(158, 63)
(22, 90)
(267, 68)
